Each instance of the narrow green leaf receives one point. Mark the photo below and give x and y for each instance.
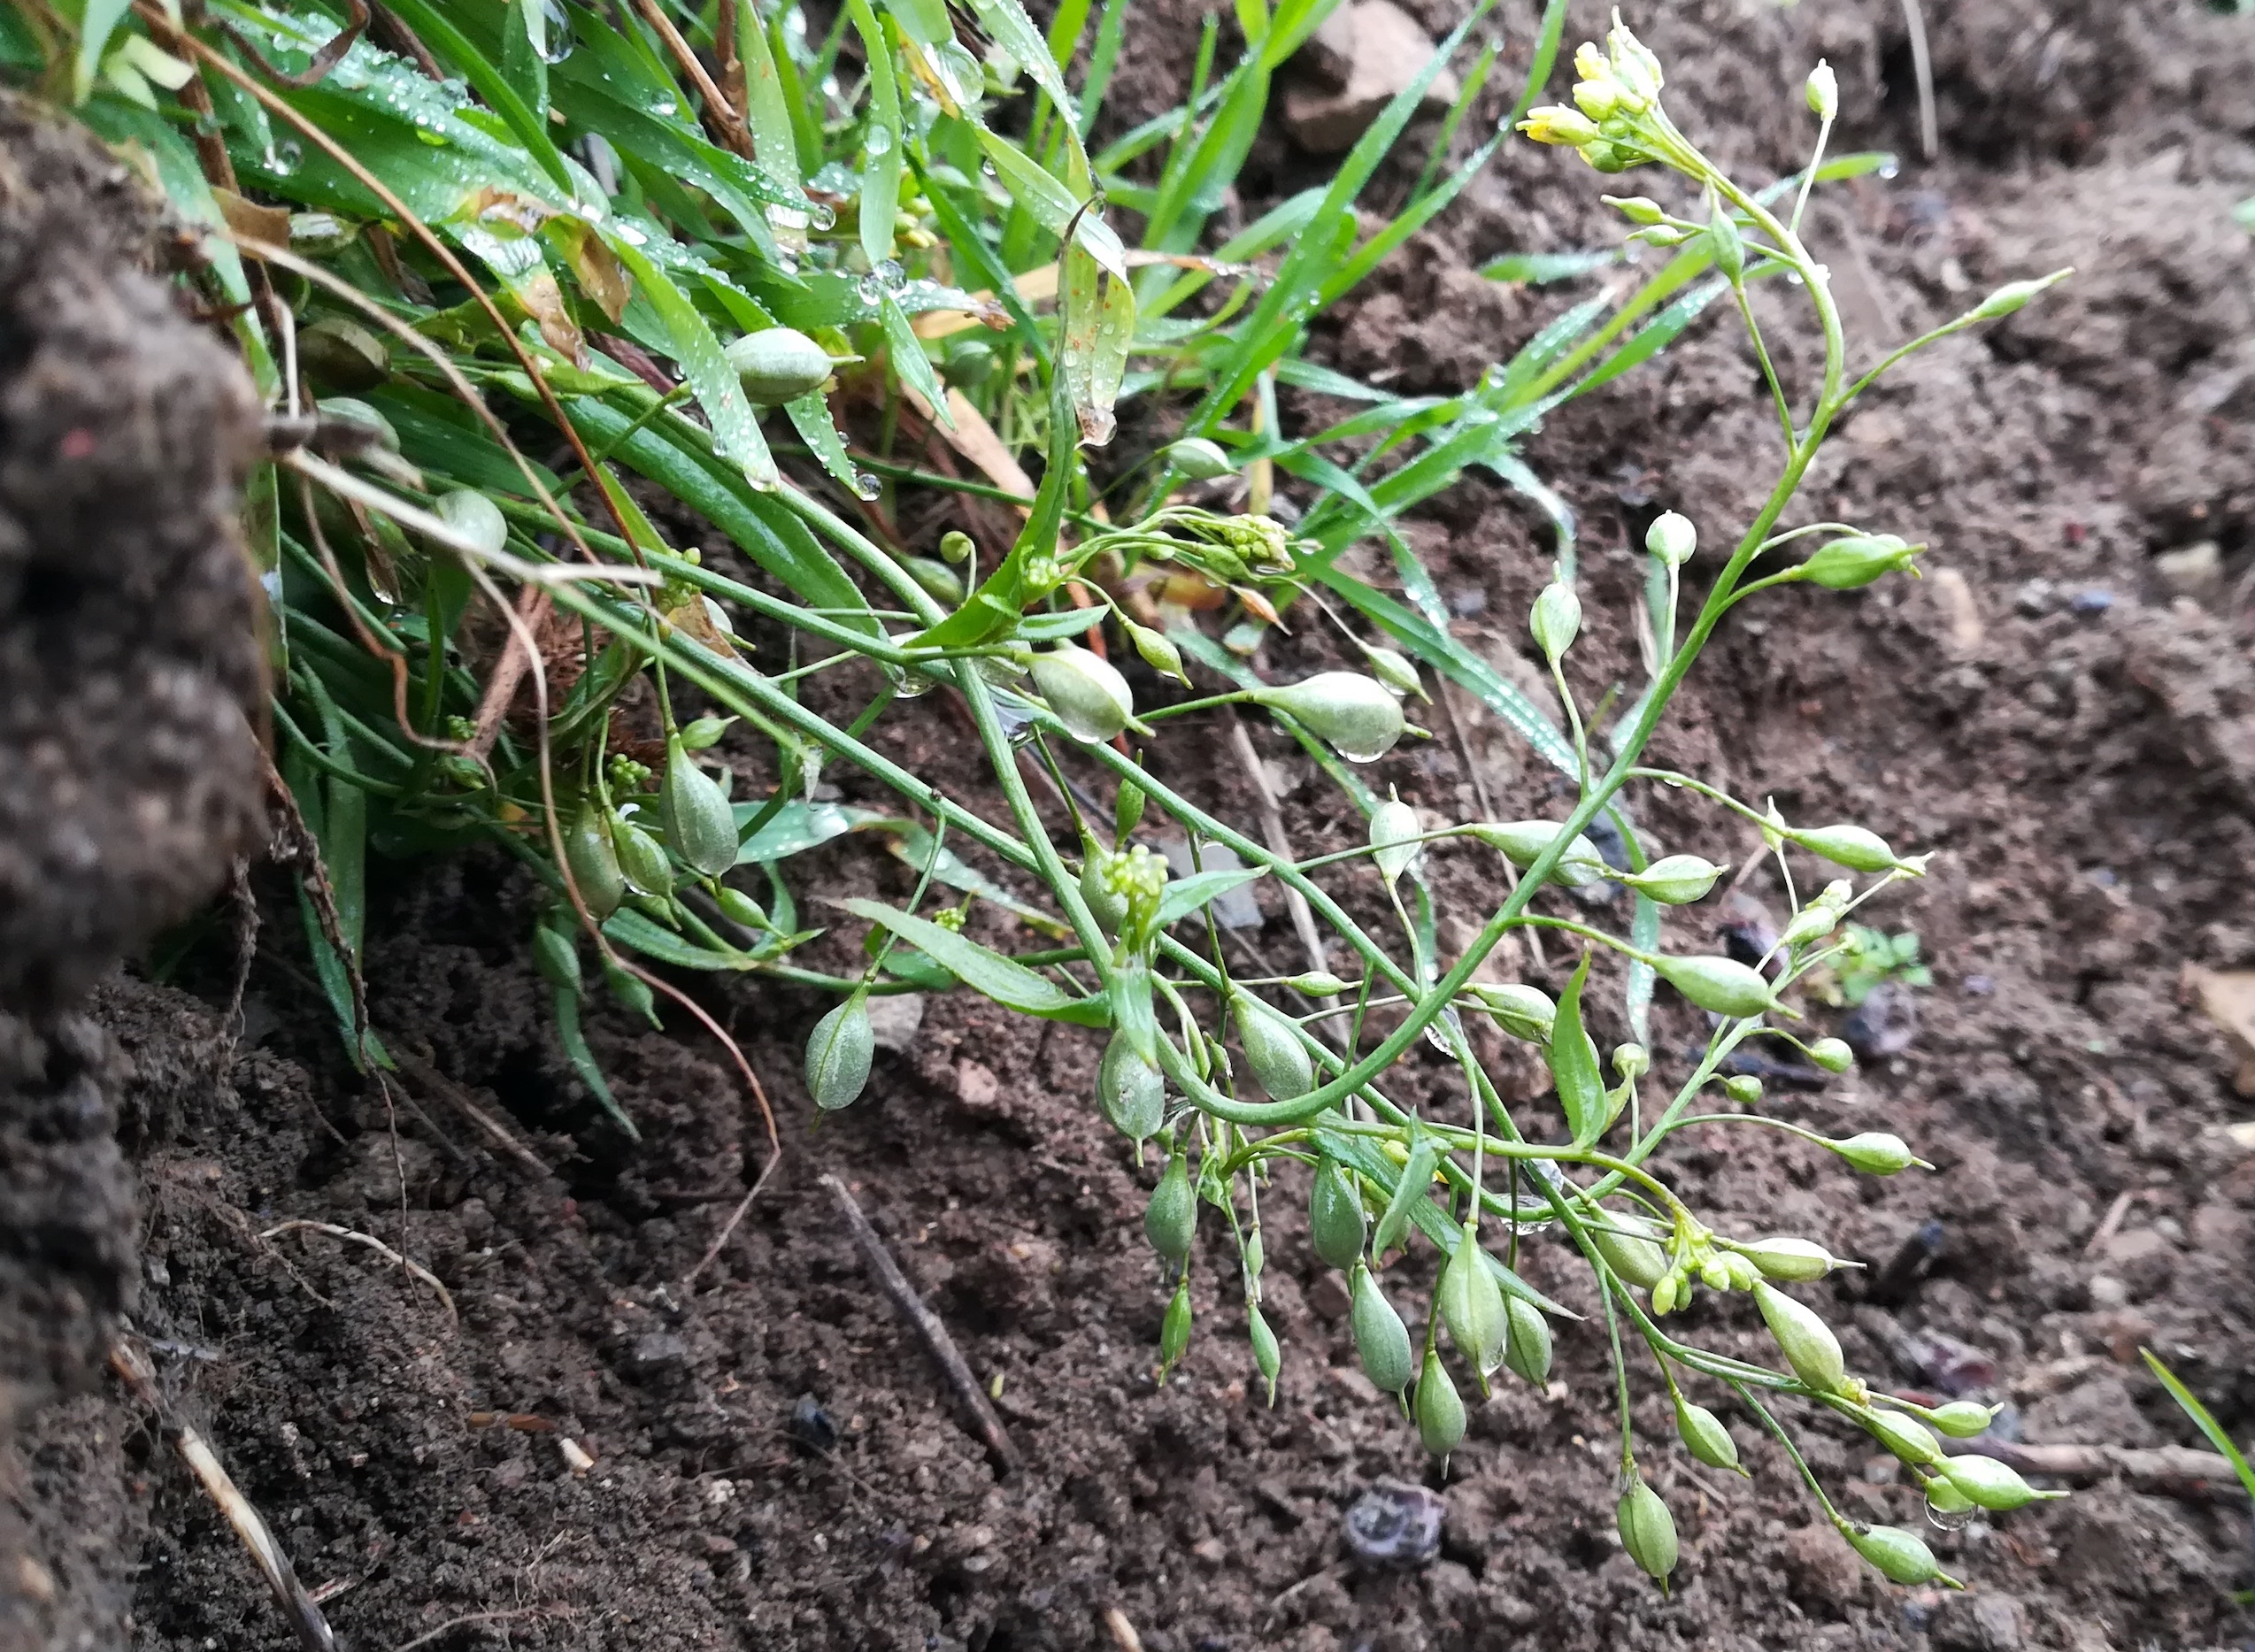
(1538, 269)
(910, 361)
(524, 51)
(1186, 896)
(766, 107)
(2203, 1420)
(1573, 1056)
(703, 362)
(984, 970)
(100, 21)
(574, 1040)
(882, 146)
(449, 43)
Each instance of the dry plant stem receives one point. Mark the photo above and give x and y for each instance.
(509, 674)
(736, 1217)
(1922, 70)
(2178, 1471)
(313, 1630)
(937, 1341)
(432, 1079)
(514, 1614)
(720, 113)
(351, 1236)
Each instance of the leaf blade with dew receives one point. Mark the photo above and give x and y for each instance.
(451, 46)
(882, 144)
(736, 430)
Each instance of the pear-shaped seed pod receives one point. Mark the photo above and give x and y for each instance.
(1648, 1531)
(838, 1053)
(1806, 1340)
(1273, 1048)
(1381, 1338)
(1335, 1216)
(594, 861)
(1901, 1557)
(1171, 1218)
(1630, 1246)
(1354, 714)
(1086, 692)
(779, 364)
(699, 822)
(1439, 1407)
(474, 517)
(1704, 1437)
(1471, 1305)
(642, 857)
(1527, 1341)
(1130, 1090)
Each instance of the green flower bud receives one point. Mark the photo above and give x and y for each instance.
(1520, 841)
(702, 734)
(1723, 984)
(1671, 1293)
(1197, 458)
(1743, 1088)
(1832, 1054)
(1171, 1219)
(1664, 235)
(1525, 1012)
(1794, 1261)
(1335, 1216)
(1268, 1359)
(1527, 1341)
(1157, 650)
(473, 517)
(1907, 1438)
(1393, 835)
(1823, 92)
(1724, 245)
(1630, 1245)
(1319, 984)
(1381, 1340)
(1174, 1330)
(1439, 1407)
(2012, 294)
(779, 364)
(632, 992)
(594, 861)
(956, 546)
(1900, 1556)
(1352, 713)
(1087, 692)
(1607, 157)
(1130, 1090)
(969, 363)
(699, 825)
(1273, 1048)
(1962, 1419)
(1811, 922)
(1806, 1340)
(1470, 1306)
(557, 956)
(1556, 619)
(1648, 1531)
(1600, 100)
(1876, 1153)
(1394, 671)
(1857, 847)
(1674, 879)
(739, 908)
(1634, 63)
(1738, 1274)
(1631, 1062)
(1850, 563)
(1636, 208)
(1993, 1484)
(838, 1054)
(1704, 1437)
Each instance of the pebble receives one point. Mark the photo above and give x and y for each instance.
(1395, 1525)
(1366, 51)
(2092, 599)
(2033, 599)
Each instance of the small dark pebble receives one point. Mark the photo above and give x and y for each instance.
(1898, 1279)
(1885, 1024)
(2092, 599)
(1748, 940)
(1943, 1362)
(810, 1424)
(1395, 1525)
(1786, 1068)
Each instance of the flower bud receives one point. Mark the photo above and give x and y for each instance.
(1527, 1341)
(1648, 1531)
(1671, 1293)
(1900, 1556)
(739, 908)
(1334, 1218)
(838, 1053)
(1610, 157)
(1792, 1260)
(1382, 1340)
(594, 861)
(1962, 1419)
(1521, 841)
(1876, 1153)
(1832, 1054)
(1319, 984)
(1663, 235)
(1525, 1012)
(1273, 1048)
(2012, 294)
(1554, 123)
(1471, 1305)
(473, 517)
(1393, 835)
(1130, 1090)
(1806, 1340)
(1174, 1330)
(956, 546)
(1352, 713)
(1268, 1359)
(1171, 1218)
(1849, 564)
(1157, 650)
(1993, 1484)
(1907, 1437)
(702, 734)
(1087, 692)
(699, 825)
(641, 858)
(1639, 210)
(1743, 1088)
(1674, 879)
(1722, 985)
(1630, 1246)
(1600, 100)
(1634, 62)
(1724, 242)
(1704, 1437)
(1556, 619)
(1631, 1062)
(1440, 1408)
(1198, 458)
(1738, 1274)
(557, 956)
(1823, 92)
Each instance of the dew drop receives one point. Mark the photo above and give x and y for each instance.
(1957, 1522)
(1891, 170)
(879, 143)
(559, 31)
(822, 217)
(867, 485)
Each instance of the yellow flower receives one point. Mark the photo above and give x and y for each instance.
(1556, 124)
(1599, 100)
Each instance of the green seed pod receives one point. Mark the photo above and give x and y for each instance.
(838, 1053)
(1724, 242)
(474, 517)
(699, 825)
(1962, 1419)
(1471, 1305)
(2012, 294)
(1268, 1359)
(1823, 91)
(1106, 904)
(1525, 1012)
(1087, 692)
(1907, 1437)
(1630, 1246)
(779, 364)
(956, 546)
(1171, 1219)
(969, 363)
(1174, 1330)
(1704, 1437)
(1520, 841)
(1900, 1556)
(705, 733)
(342, 355)
(1273, 1048)
(1416, 1183)
(632, 992)
(1857, 847)
(1335, 1216)
(1556, 619)
(1806, 1340)
(1394, 671)
(557, 956)
(594, 861)
(1381, 1338)
(1672, 538)
(1527, 1341)
(1197, 458)
(1832, 1054)
(1439, 1407)
(739, 908)
(1352, 713)
(1993, 1484)
(1850, 563)
(1876, 1153)
(1639, 210)
(1157, 650)
(348, 409)
(1648, 1531)
(1743, 1088)
(1723, 984)
(943, 584)
(1791, 1260)
(1393, 835)
(1945, 1499)
(642, 857)
(1130, 1090)
(1674, 879)
(1319, 984)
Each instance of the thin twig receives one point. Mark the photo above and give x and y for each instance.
(431, 1078)
(510, 1615)
(744, 1207)
(1922, 71)
(937, 1342)
(2173, 1471)
(720, 113)
(354, 1236)
(313, 1630)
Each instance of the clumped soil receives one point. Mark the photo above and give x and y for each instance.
(776, 1464)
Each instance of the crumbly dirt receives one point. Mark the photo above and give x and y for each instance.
(776, 1465)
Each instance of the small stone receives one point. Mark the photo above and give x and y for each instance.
(659, 1350)
(1885, 1024)
(2144, 1259)
(2092, 599)
(1328, 1296)
(894, 1019)
(1395, 1525)
(2194, 570)
(1212, 1550)
(2107, 1292)
(811, 1426)
(1369, 51)
(1981, 1621)
(2033, 599)
(977, 1088)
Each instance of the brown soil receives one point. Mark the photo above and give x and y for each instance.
(775, 1462)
